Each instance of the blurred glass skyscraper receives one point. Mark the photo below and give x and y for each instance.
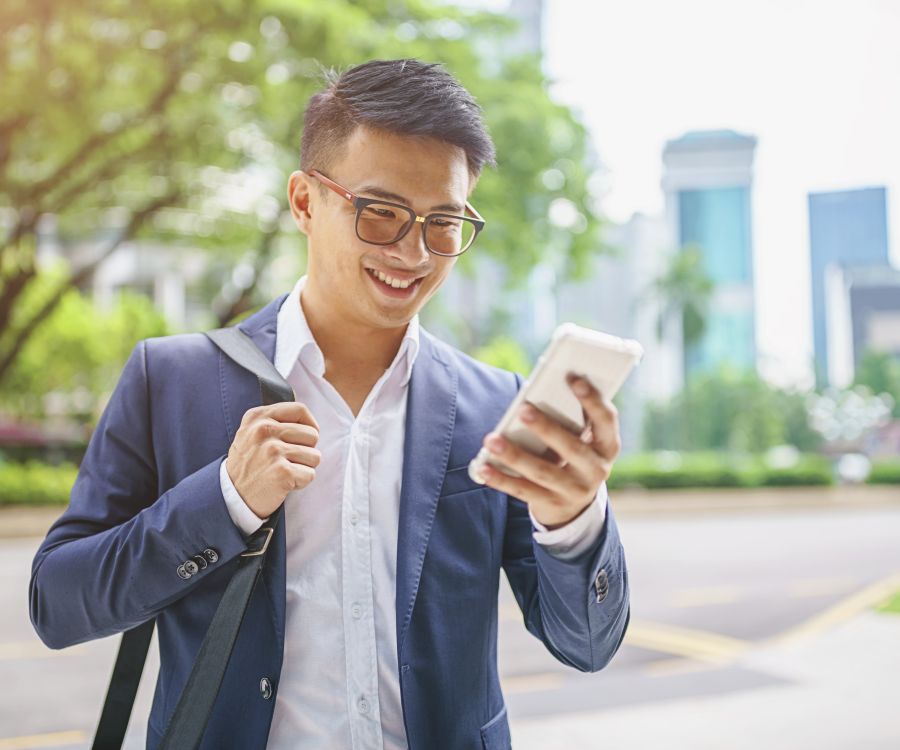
(707, 181)
(847, 229)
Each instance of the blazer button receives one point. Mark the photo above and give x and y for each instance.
(191, 567)
(210, 554)
(265, 688)
(602, 585)
(201, 561)
(182, 573)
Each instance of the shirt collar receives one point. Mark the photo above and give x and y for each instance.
(294, 340)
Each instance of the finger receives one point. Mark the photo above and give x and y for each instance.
(553, 457)
(600, 413)
(266, 429)
(289, 411)
(587, 434)
(567, 446)
(299, 434)
(606, 437)
(301, 454)
(534, 468)
(517, 487)
(301, 474)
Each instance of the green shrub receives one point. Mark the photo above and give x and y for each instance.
(673, 470)
(36, 483)
(667, 470)
(886, 471)
(808, 471)
(891, 604)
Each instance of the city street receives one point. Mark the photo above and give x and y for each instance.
(748, 629)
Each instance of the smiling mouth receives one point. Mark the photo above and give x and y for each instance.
(392, 281)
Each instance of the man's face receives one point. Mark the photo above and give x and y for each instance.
(425, 174)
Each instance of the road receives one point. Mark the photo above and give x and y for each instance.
(707, 589)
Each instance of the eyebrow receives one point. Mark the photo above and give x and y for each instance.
(389, 196)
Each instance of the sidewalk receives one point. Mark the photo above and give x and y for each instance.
(726, 499)
(33, 521)
(842, 691)
(27, 521)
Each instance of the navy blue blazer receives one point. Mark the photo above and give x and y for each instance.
(148, 497)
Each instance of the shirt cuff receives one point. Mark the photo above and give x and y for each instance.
(579, 534)
(244, 518)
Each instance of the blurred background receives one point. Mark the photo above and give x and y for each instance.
(719, 180)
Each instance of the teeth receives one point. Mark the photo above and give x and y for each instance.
(390, 281)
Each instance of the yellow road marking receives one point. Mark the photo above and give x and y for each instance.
(666, 667)
(681, 642)
(532, 683)
(820, 586)
(53, 739)
(871, 596)
(701, 597)
(701, 645)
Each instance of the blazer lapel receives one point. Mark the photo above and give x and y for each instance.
(430, 416)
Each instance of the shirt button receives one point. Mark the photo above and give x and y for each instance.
(356, 611)
(363, 706)
(354, 518)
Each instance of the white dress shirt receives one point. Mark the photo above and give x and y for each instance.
(339, 685)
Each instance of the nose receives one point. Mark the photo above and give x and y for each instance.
(410, 249)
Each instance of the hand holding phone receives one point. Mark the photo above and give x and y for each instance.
(601, 358)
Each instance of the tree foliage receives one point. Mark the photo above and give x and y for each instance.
(730, 410)
(72, 360)
(684, 290)
(506, 353)
(180, 121)
(881, 373)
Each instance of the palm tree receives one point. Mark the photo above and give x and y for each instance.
(683, 288)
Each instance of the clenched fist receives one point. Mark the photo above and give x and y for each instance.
(273, 453)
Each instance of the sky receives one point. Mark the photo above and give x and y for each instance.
(818, 83)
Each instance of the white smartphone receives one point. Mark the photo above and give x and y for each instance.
(603, 359)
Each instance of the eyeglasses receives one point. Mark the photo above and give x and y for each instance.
(380, 222)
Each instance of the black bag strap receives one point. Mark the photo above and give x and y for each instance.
(185, 729)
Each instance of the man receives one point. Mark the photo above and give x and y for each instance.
(375, 622)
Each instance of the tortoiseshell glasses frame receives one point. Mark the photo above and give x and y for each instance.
(379, 227)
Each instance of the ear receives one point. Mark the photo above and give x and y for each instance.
(299, 188)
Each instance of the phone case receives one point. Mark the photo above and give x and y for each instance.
(605, 360)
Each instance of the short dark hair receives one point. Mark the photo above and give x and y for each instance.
(405, 97)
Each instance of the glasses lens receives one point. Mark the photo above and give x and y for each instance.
(381, 223)
(449, 235)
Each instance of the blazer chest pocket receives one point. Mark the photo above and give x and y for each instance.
(458, 480)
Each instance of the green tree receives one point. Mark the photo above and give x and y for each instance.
(880, 371)
(77, 353)
(683, 289)
(180, 121)
(730, 409)
(506, 353)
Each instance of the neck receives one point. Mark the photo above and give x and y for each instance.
(347, 345)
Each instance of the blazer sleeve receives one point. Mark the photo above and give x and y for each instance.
(111, 561)
(578, 607)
